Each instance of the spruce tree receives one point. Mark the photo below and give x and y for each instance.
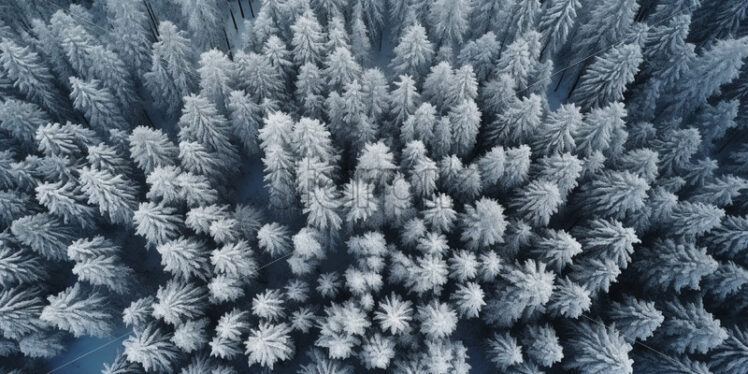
(217, 74)
(152, 348)
(130, 29)
(21, 119)
(151, 148)
(606, 78)
(79, 312)
(449, 20)
(172, 72)
(596, 347)
(308, 39)
(114, 196)
(44, 234)
(413, 53)
(25, 69)
(97, 104)
(204, 21)
(556, 22)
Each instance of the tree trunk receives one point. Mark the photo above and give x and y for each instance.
(241, 8)
(558, 84)
(251, 8)
(228, 45)
(152, 16)
(576, 82)
(233, 19)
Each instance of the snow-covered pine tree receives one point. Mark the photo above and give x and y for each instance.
(79, 311)
(413, 53)
(131, 30)
(606, 78)
(152, 348)
(24, 69)
(596, 347)
(556, 22)
(204, 21)
(172, 72)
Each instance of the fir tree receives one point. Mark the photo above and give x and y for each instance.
(268, 344)
(613, 194)
(718, 65)
(529, 286)
(556, 248)
(19, 267)
(505, 351)
(673, 265)
(44, 234)
(608, 239)
(726, 280)
(189, 337)
(65, 201)
(730, 238)
(420, 125)
(675, 148)
(308, 39)
(217, 74)
(309, 90)
(184, 258)
(130, 29)
(109, 272)
(438, 320)
(97, 104)
(518, 59)
(201, 122)
(404, 99)
(204, 20)
(24, 68)
(152, 348)
(556, 22)
(694, 219)
(594, 275)
(172, 74)
(79, 312)
(341, 69)
(722, 191)
(21, 307)
(480, 54)
(636, 319)
(413, 53)
(465, 124)
(375, 93)
(179, 301)
(599, 129)
(689, 328)
(605, 25)
(151, 148)
(518, 123)
(156, 223)
(606, 78)
(516, 166)
(449, 20)
(596, 347)
(93, 60)
(259, 78)
(21, 119)
(542, 346)
(360, 40)
(235, 260)
(538, 202)
(730, 355)
(276, 52)
(569, 299)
